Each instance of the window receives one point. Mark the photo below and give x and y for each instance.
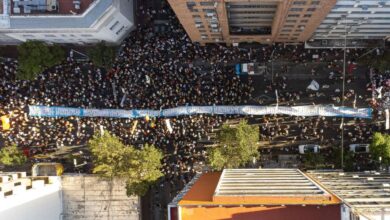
(307, 16)
(114, 25)
(315, 2)
(120, 30)
(299, 3)
(297, 34)
(304, 21)
(293, 16)
(286, 30)
(49, 35)
(289, 25)
(311, 9)
(296, 9)
(191, 5)
(196, 16)
(207, 10)
(291, 21)
(86, 35)
(206, 3)
(252, 6)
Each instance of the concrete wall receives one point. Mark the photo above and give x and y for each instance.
(91, 198)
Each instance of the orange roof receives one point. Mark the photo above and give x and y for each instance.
(202, 191)
(205, 191)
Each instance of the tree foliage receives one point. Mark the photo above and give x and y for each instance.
(236, 146)
(102, 55)
(348, 159)
(313, 160)
(380, 147)
(381, 62)
(12, 156)
(139, 168)
(35, 57)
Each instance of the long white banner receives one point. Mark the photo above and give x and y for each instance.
(309, 110)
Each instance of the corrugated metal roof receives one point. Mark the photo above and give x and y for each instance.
(366, 192)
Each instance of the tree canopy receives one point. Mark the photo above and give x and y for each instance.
(102, 55)
(35, 57)
(313, 160)
(111, 158)
(380, 147)
(12, 156)
(236, 146)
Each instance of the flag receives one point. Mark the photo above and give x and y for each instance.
(168, 124)
(387, 119)
(135, 123)
(314, 85)
(5, 122)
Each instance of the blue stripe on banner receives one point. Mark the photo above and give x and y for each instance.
(310, 110)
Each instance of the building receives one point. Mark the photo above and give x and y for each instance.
(268, 21)
(66, 197)
(365, 195)
(359, 19)
(65, 21)
(254, 194)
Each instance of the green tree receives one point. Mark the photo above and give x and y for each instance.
(313, 160)
(35, 57)
(348, 159)
(102, 55)
(380, 147)
(139, 168)
(12, 156)
(236, 146)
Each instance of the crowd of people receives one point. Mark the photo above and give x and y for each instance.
(156, 70)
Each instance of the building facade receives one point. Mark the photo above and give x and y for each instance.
(356, 20)
(268, 21)
(64, 21)
(264, 21)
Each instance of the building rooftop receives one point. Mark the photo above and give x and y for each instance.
(51, 7)
(368, 193)
(255, 187)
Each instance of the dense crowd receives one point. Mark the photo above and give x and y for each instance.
(157, 70)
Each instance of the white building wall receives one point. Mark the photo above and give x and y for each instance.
(111, 27)
(43, 204)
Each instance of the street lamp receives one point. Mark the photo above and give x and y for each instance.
(343, 92)
(272, 65)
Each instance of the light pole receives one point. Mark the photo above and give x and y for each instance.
(272, 65)
(343, 92)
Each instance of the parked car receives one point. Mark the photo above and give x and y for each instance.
(359, 148)
(309, 148)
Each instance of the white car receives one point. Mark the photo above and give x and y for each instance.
(307, 148)
(359, 148)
